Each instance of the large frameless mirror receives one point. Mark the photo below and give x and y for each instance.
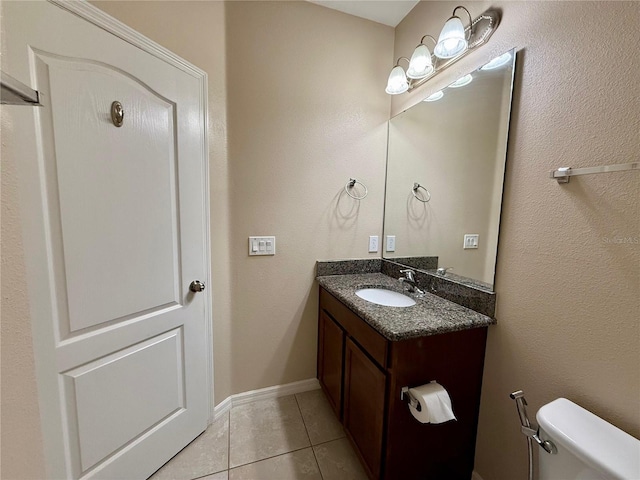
(445, 171)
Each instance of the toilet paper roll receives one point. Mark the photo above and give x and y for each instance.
(435, 404)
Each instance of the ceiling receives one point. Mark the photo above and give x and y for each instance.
(387, 12)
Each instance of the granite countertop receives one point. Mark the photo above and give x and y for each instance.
(431, 315)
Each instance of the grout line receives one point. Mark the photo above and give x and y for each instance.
(269, 458)
(309, 437)
(306, 430)
(208, 474)
(328, 441)
(228, 445)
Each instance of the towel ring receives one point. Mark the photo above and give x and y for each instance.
(350, 184)
(414, 191)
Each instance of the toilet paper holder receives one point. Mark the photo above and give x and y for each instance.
(413, 401)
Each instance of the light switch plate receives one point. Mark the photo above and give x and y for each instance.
(470, 241)
(262, 246)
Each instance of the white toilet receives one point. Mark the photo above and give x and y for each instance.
(588, 448)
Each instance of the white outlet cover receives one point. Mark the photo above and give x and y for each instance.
(391, 243)
(373, 244)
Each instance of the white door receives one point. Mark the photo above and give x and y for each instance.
(114, 232)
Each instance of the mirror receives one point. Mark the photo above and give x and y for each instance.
(445, 171)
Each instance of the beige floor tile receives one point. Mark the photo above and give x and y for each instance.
(322, 424)
(207, 454)
(217, 476)
(264, 429)
(300, 465)
(338, 461)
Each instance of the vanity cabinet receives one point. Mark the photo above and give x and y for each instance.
(363, 373)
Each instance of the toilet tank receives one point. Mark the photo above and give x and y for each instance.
(589, 448)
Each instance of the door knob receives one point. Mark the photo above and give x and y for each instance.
(196, 286)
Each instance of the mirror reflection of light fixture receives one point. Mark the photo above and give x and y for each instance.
(455, 42)
(497, 62)
(434, 96)
(453, 38)
(462, 81)
(397, 82)
(421, 65)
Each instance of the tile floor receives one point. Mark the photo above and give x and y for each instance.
(289, 438)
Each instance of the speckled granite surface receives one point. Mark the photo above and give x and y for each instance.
(344, 267)
(431, 315)
(421, 263)
(449, 287)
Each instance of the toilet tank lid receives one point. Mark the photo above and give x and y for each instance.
(596, 442)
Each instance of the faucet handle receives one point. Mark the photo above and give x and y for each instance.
(443, 270)
(409, 274)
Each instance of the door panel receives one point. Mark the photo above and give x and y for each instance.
(111, 180)
(114, 232)
(111, 398)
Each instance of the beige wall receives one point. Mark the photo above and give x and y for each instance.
(304, 116)
(21, 436)
(567, 297)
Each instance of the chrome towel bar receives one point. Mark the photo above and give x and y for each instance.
(563, 174)
(14, 92)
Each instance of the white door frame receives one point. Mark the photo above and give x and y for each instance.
(88, 12)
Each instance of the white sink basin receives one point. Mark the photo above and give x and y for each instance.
(388, 298)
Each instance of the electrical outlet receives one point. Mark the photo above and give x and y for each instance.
(373, 244)
(470, 241)
(391, 243)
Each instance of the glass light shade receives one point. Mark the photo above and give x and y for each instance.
(420, 65)
(452, 40)
(462, 81)
(497, 62)
(397, 82)
(434, 96)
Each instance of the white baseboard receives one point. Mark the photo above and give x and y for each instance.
(264, 394)
(476, 476)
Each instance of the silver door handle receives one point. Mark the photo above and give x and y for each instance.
(196, 286)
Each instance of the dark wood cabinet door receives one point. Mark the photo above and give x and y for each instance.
(364, 397)
(330, 355)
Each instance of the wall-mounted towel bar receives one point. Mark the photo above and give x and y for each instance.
(14, 92)
(563, 174)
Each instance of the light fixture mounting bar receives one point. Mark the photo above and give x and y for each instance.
(480, 29)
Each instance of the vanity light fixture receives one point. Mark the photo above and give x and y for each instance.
(497, 62)
(397, 82)
(453, 37)
(421, 65)
(434, 96)
(462, 81)
(455, 42)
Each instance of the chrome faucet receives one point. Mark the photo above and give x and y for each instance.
(410, 279)
(443, 270)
